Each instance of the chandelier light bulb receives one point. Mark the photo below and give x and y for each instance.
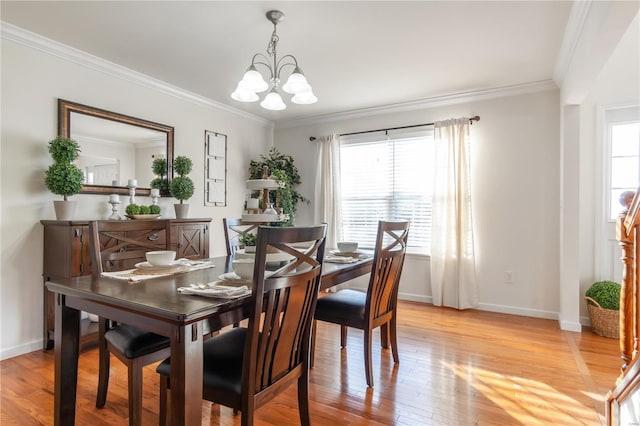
(242, 94)
(304, 98)
(254, 81)
(273, 101)
(296, 83)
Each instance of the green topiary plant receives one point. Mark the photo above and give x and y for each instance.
(181, 187)
(159, 168)
(283, 169)
(606, 293)
(63, 177)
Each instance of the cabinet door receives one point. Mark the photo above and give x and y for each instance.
(191, 241)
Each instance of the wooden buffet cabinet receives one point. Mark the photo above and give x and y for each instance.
(66, 255)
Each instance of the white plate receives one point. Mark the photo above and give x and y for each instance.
(146, 266)
(356, 253)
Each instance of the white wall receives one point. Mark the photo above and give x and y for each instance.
(32, 81)
(515, 168)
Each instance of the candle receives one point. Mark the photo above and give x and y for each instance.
(252, 203)
(114, 198)
(133, 183)
(155, 192)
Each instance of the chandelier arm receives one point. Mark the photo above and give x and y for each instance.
(265, 64)
(280, 66)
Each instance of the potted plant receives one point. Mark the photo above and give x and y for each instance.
(159, 168)
(63, 177)
(282, 168)
(603, 303)
(248, 240)
(181, 187)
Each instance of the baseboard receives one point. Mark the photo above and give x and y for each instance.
(571, 326)
(6, 353)
(513, 310)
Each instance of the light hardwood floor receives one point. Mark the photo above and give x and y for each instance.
(456, 368)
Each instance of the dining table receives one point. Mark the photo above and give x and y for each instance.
(156, 305)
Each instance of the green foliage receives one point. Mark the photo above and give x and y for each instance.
(159, 183)
(154, 209)
(606, 293)
(181, 188)
(159, 167)
(64, 179)
(64, 150)
(247, 239)
(132, 209)
(182, 165)
(283, 169)
(144, 210)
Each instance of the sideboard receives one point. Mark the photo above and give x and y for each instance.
(67, 255)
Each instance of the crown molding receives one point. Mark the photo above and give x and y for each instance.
(438, 101)
(68, 53)
(572, 34)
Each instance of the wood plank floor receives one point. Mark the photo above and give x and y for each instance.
(456, 368)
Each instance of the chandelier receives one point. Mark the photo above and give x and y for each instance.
(253, 83)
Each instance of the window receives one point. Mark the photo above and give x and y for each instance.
(386, 177)
(623, 135)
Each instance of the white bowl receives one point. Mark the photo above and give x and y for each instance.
(243, 268)
(347, 247)
(161, 257)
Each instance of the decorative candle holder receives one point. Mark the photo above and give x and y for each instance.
(155, 194)
(132, 191)
(114, 201)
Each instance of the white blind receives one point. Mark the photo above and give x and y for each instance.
(386, 178)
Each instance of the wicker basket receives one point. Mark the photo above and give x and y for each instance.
(604, 322)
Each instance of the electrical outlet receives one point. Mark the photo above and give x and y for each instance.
(508, 277)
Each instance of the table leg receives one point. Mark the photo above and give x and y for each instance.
(186, 375)
(67, 348)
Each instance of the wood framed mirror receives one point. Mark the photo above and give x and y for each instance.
(115, 148)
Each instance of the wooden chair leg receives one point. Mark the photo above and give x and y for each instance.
(303, 398)
(368, 368)
(312, 355)
(394, 340)
(343, 336)
(135, 393)
(103, 364)
(164, 388)
(384, 336)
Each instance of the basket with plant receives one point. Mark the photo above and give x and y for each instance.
(603, 303)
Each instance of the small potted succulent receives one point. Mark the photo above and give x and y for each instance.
(248, 240)
(181, 186)
(63, 177)
(603, 303)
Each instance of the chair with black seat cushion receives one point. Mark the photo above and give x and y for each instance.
(246, 367)
(234, 229)
(116, 246)
(376, 307)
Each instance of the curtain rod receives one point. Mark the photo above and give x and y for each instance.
(471, 120)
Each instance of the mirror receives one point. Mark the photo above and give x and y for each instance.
(115, 148)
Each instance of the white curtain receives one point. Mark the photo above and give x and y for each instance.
(453, 274)
(327, 189)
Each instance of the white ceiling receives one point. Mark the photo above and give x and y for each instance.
(356, 55)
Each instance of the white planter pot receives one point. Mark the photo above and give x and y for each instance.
(64, 209)
(182, 210)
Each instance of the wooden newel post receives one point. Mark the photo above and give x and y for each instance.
(626, 239)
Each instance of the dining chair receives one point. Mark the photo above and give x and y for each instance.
(378, 306)
(116, 246)
(248, 366)
(233, 230)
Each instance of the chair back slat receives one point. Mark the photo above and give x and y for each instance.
(233, 230)
(283, 305)
(390, 250)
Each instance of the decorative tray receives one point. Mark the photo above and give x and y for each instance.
(142, 216)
